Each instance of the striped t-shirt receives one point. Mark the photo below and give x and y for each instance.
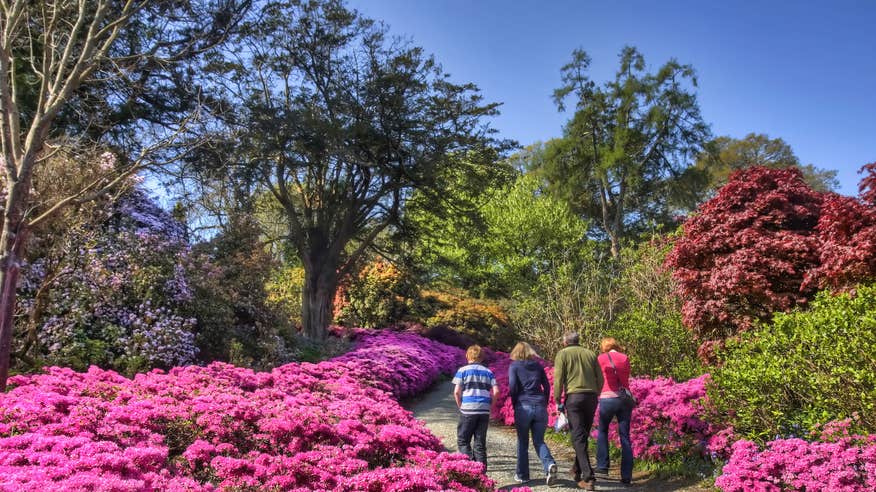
(477, 381)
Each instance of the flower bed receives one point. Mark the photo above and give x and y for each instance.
(328, 426)
(848, 465)
(835, 460)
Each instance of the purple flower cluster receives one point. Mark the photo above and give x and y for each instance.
(328, 426)
(115, 293)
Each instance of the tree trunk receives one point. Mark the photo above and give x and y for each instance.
(316, 300)
(11, 244)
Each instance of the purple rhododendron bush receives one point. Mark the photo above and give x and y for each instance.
(330, 426)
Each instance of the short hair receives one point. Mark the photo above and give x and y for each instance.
(609, 343)
(473, 354)
(523, 351)
(571, 338)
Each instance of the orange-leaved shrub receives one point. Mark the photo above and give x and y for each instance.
(484, 320)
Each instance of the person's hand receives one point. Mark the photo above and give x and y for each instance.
(561, 408)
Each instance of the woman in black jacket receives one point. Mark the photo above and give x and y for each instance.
(530, 392)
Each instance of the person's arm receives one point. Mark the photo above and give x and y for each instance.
(545, 386)
(600, 379)
(559, 380)
(457, 395)
(513, 383)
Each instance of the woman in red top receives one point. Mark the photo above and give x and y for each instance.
(610, 406)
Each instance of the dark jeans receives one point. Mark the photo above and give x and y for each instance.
(532, 418)
(580, 408)
(610, 408)
(473, 426)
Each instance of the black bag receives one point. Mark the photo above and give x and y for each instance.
(625, 395)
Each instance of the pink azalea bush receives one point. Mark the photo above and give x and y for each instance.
(669, 418)
(844, 465)
(330, 426)
(832, 459)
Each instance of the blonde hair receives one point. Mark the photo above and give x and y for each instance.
(473, 354)
(523, 351)
(609, 343)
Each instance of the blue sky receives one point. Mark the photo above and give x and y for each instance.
(803, 71)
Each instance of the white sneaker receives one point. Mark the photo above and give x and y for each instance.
(520, 480)
(552, 475)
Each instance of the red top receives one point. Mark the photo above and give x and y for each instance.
(622, 363)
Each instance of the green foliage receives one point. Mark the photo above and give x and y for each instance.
(514, 237)
(623, 160)
(689, 469)
(236, 320)
(649, 324)
(283, 291)
(576, 293)
(377, 296)
(657, 342)
(526, 230)
(724, 155)
(805, 368)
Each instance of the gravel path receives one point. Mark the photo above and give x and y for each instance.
(438, 410)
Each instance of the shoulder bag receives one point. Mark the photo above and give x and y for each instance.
(624, 394)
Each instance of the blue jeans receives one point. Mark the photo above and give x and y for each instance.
(473, 426)
(610, 408)
(534, 418)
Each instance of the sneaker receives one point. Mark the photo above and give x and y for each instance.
(552, 474)
(520, 480)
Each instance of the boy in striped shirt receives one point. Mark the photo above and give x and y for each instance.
(476, 390)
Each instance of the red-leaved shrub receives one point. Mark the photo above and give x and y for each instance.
(747, 251)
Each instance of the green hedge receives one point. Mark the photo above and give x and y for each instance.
(803, 369)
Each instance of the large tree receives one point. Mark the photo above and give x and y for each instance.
(624, 158)
(518, 234)
(74, 72)
(724, 155)
(340, 123)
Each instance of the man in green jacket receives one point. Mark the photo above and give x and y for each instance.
(577, 375)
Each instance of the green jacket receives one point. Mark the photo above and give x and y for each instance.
(576, 370)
